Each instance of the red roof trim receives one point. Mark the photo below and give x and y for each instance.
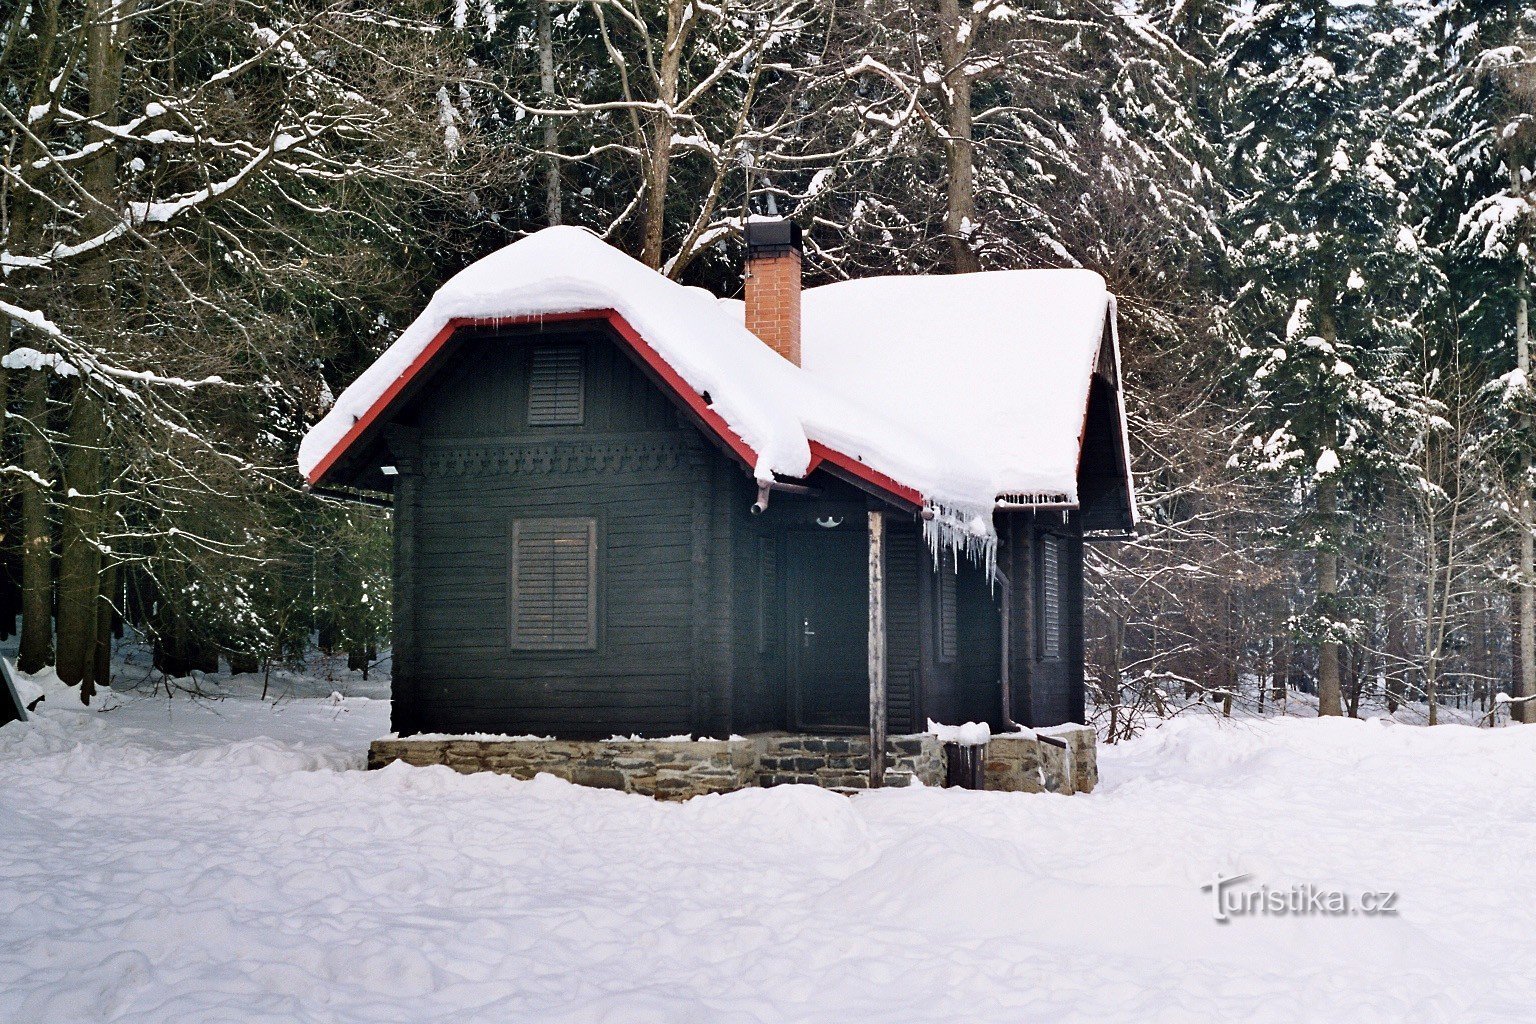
(383, 402)
(664, 370)
(820, 453)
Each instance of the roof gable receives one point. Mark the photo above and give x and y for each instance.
(933, 390)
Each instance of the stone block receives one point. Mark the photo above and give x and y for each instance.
(1083, 744)
(598, 778)
(1022, 764)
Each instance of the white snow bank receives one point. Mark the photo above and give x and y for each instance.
(145, 883)
(960, 388)
(971, 734)
(478, 737)
(44, 685)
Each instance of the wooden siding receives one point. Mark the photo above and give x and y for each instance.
(689, 608)
(637, 473)
(485, 392)
(1046, 691)
(763, 546)
(1101, 486)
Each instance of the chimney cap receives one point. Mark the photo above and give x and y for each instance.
(771, 236)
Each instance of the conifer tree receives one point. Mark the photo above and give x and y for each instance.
(1321, 159)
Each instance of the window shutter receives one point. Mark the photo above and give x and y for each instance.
(556, 387)
(1050, 598)
(554, 584)
(949, 628)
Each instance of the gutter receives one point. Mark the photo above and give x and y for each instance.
(341, 495)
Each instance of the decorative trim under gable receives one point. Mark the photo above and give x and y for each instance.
(542, 458)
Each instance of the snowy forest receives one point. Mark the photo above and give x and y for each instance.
(1315, 215)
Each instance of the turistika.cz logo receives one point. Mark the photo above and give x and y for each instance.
(1230, 898)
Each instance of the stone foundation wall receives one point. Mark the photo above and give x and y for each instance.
(1022, 764)
(668, 769)
(842, 762)
(679, 769)
(1083, 744)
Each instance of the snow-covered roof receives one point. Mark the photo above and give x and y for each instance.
(959, 389)
(995, 367)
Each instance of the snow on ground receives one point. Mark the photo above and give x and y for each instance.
(1141, 714)
(227, 862)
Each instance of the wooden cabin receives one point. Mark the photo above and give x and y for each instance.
(606, 522)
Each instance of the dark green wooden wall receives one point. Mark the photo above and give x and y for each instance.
(692, 627)
(636, 468)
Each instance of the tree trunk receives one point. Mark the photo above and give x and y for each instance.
(1397, 649)
(658, 164)
(80, 554)
(1525, 711)
(551, 133)
(36, 644)
(1281, 681)
(1431, 625)
(106, 608)
(1327, 558)
(1327, 554)
(955, 31)
(36, 650)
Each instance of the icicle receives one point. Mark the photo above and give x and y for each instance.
(962, 530)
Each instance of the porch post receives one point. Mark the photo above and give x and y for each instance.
(876, 650)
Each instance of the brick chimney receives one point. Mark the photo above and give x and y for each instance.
(773, 285)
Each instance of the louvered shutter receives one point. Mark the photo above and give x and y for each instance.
(556, 387)
(1050, 598)
(949, 612)
(554, 584)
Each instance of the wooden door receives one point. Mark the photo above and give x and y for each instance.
(828, 627)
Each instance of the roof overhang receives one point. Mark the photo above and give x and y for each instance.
(368, 426)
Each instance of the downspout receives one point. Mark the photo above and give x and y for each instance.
(1005, 670)
(764, 491)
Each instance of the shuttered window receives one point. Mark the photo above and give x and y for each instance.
(949, 612)
(1050, 598)
(556, 387)
(554, 584)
